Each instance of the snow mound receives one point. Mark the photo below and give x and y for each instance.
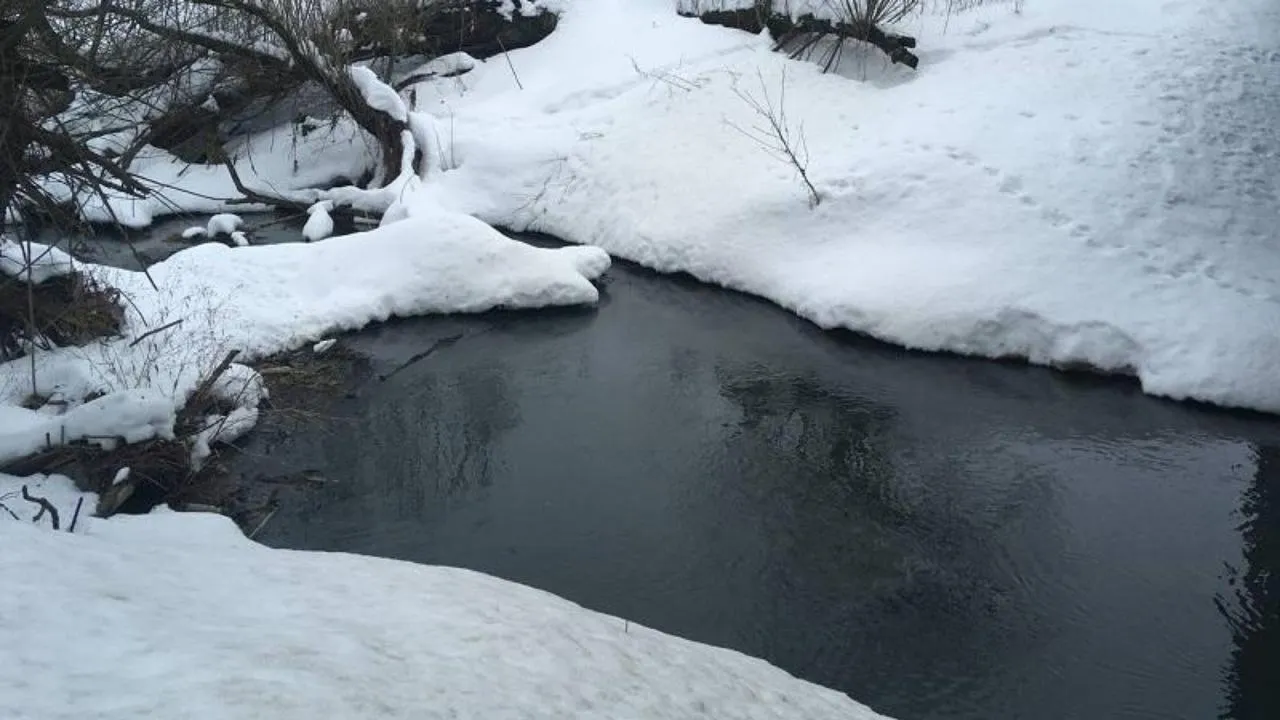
(319, 225)
(1021, 195)
(25, 261)
(434, 262)
(144, 614)
(379, 95)
(129, 415)
(223, 224)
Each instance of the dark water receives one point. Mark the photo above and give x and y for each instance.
(136, 249)
(938, 537)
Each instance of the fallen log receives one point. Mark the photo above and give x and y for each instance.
(479, 28)
(803, 33)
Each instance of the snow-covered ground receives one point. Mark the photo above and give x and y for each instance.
(179, 615)
(1081, 183)
(1075, 182)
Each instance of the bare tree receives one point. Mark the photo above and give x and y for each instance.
(775, 135)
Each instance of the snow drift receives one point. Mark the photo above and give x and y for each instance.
(1080, 185)
(136, 616)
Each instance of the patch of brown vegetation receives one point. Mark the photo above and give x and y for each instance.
(70, 309)
(304, 382)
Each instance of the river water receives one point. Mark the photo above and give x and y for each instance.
(939, 537)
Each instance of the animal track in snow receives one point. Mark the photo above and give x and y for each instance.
(1155, 260)
(1014, 187)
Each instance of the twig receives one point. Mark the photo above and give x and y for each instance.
(507, 56)
(263, 522)
(151, 332)
(76, 516)
(288, 218)
(437, 345)
(196, 400)
(29, 261)
(253, 196)
(777, 138)
(45, 506)
(670, 79)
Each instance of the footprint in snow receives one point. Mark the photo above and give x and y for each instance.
(1011, 185)
(1014, 187)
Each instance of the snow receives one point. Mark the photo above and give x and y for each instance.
(289, 160)
(379, 95)
(130, 415)
(1079, 184)
(223, 224)
(454, 63)
(133, 616)
(319, 225)
(323, 346)
(240, 239)
(265, 299)
(31, 261)
(194, 232)
(221, 428)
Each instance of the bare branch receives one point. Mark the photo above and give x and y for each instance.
(45, 506)
(776, 137)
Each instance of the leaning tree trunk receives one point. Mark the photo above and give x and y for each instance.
(787, 30)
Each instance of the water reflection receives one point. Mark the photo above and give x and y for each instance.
(442, 459)
(884, 546)
(1252, 609)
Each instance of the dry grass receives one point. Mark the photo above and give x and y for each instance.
(302, 374)
(71, 309)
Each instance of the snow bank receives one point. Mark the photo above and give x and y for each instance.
(290, 159)
(264, 299)
(1080, 184)
(32, 261)
(128, 415)
(134, 616)
(282, 296)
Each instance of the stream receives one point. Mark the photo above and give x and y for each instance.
(939, 537)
